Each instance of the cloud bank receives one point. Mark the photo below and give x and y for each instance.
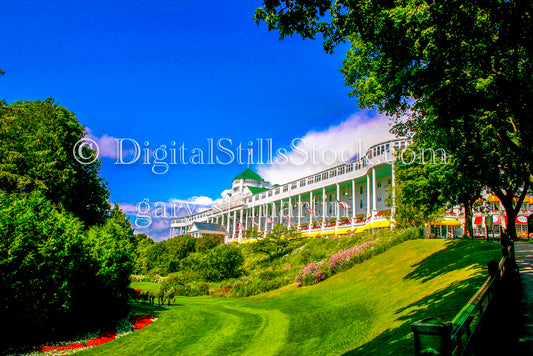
(319, 150)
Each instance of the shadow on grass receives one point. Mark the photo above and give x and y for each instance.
(457, 255)
(444, 304)
(399, 341)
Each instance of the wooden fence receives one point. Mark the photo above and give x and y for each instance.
(433, 337)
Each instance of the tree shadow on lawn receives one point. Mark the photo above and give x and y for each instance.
(455, 256)
(444, 304)
(399, 341)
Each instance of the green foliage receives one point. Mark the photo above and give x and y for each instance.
(276, 243)
(56, 277)
(252, 233)
(207, 242)
(166, 255)
(366, 310)
(37, 139)
(185, 283)
(222, 262)
(454, 76)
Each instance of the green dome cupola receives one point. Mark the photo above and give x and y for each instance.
(249, 174)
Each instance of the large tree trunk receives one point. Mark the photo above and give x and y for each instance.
(469, 231)
(506, 198)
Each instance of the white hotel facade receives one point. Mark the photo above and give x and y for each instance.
(351, 197)
(348, 198)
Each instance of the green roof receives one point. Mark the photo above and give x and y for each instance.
(249, 174)
(256, 190)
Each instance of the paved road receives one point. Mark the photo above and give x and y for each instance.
(524, 258)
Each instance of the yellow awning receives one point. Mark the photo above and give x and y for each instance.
(383, 223)
(360, 229)
(315, 233)
(447, 222)
(343, 231)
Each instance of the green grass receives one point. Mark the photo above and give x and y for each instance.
(365, 310)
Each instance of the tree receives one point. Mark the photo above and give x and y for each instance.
(56, 277)
(456, 75)
(276, 242)
(37, 143)
(426, 180)
(207, 242)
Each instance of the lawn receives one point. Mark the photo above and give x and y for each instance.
(365, 310)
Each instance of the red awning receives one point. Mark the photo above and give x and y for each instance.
(521, 219)
(496, 219)
(477, 220)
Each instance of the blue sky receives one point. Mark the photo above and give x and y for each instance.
(177, 73)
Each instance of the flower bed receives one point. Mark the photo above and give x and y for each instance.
(135, 322)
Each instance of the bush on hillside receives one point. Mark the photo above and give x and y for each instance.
(207, 242)
(222, 262)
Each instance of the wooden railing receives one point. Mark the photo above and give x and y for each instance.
(433, 337)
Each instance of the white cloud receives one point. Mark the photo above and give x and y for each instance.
(153, 217)
(107, 145)
(319, 150)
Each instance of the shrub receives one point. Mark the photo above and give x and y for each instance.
(136, 278)
(207, 242)
(222, 262)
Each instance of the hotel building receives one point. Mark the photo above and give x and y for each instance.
(351, 197)
(348, 198)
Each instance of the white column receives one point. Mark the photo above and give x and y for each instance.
(367, 195)
(240, 231)
(323, 208)
(259, 218)
(246, 220)
(290, 212)
(253, 216)
(227, 223)
(353, 203)
(234, 222)
(374, 193)
(311, 207)
(299, 210)
(338, 208)
(273, 218)
(281, 217)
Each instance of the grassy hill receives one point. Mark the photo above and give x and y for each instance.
(366, 310)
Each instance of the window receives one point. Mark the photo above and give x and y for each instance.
(302, 182)
(276, 191)
(379, 184)
(342, 170)
(294, 186)
(361, 204)
(285, 188)
(361, 190)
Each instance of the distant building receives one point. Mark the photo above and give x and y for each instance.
(351, 197)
